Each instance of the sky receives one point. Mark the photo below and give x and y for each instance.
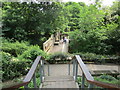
(104, 2)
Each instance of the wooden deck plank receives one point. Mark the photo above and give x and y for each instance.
(60, 48)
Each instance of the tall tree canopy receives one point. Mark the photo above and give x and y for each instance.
(22, 21)
(92, 28)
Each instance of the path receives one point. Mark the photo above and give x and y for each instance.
(62, 69)
(59, 77)
(60, 48)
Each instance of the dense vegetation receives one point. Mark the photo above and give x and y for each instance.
(94, 29)
(32, 22)
(102, 78)
(17, 58)
(25, 26)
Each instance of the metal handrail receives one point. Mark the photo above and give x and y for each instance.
(86, 75)
(42, 72)
(30, 75)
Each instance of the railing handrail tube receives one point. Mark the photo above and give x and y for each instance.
(44, 60)
(102, 84)
(84, 69)
(29, 75)
(89, 77)
(32, 70)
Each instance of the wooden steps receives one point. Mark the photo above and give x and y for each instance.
(64, 81)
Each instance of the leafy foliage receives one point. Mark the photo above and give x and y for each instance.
(32, 53)
(15, 48)
(17, 58)
(33, 22)
(92, 29)
(107, 79)
(58, 57)
(103, 78)
(12, 67)
(30, 85)
(99, 59)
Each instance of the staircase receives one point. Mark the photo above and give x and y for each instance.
(62, 78)
(66, 81)
(58, 77)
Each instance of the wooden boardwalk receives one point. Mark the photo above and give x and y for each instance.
(60, 48)
(59, 77)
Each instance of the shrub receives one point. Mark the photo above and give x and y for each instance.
(99, 58)
(30, 85)
(103, 78)
(32, 53)
(107, 79)
(12, 67)
(15, 48)
(61, 56)
(17, 58)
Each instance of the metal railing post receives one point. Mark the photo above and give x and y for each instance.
(26, 87)
(73, 68)
(90, 86)
(76, 72)
(83, 80)
(69, 69)
(41, 74)
(43, 68)
(48, 70)
(34, 81)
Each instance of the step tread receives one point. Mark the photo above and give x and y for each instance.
(59, 82)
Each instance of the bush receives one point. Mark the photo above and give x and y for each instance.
(15, 48)
(99, 58)
(90, 56)
(61, 56)
(17, 58)
(107, 79)
(102, 78)
(32, 53)
(12, 67)
(30, 85)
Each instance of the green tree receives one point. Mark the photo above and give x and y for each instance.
(33, 22)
